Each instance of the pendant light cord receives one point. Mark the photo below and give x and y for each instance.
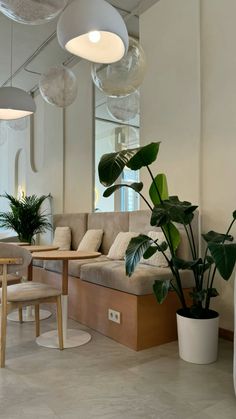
(11, 50)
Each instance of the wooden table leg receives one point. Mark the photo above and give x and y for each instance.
(65, 277)
(30, 272)
(64, 297)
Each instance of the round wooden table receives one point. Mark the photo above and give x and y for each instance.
(28, 312)
(71, 337)
(19, 243)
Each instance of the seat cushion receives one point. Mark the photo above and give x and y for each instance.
(74, 265)
(112, 275)
(29, 291)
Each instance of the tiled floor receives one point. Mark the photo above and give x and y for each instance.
(106, 380)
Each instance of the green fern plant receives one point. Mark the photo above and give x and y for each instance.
(25, 217)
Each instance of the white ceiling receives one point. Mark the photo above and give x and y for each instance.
(27, 39)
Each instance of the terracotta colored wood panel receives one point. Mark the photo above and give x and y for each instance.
(95, 303)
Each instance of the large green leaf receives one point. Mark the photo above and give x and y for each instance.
(160, 289)
(213, 236)
(135, 250)
(159, 216)
(144, 157)
(160, 184)
(151, 250)
(181, 212)
(137, 187)
(224, 255)
(160, 247)
(173, 235)
(173, 210)
(111, 165)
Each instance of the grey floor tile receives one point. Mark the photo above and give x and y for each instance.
(105, 380)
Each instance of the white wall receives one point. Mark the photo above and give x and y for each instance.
(79, 125)
(170, 94)
(218, 33)
(193, 111)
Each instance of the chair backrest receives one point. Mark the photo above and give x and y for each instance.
(12, 251)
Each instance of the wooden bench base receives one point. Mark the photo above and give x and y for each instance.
(144, 323)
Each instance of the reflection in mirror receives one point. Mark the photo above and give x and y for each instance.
(112, 135)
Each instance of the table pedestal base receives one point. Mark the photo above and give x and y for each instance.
(28, 315)
(74, 338)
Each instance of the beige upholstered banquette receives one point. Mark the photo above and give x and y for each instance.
(95, 286)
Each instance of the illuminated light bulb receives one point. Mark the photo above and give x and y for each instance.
(94, 36)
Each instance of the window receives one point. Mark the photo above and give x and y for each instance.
(111, 136)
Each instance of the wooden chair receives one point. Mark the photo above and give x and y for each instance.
(20, 295)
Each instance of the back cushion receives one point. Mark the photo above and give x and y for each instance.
(91, 241)
(111, 223)
(139, 221)
(77, 223)
(62, 238)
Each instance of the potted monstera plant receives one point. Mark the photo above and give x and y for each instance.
(25, 217)
(197, 323)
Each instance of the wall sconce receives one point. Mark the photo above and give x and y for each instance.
(20, 193)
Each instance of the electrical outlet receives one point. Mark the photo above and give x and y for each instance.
(114, 316)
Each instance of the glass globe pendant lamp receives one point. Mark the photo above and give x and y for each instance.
(125, 76)
(58, 86)
(124, 108)
(94, 30)
(32, 12)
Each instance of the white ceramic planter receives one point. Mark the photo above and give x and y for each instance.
(198, 339)
(234, 368)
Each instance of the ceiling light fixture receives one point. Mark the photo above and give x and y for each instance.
(94, 30)
(15, 103)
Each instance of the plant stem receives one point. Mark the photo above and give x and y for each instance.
(204, 261)
(146, 201)
(189, 240)
(193, 241)
(178, 281)
(162, 251)
(208, 278)
(227, 232)
(176, 290)
(214, 272)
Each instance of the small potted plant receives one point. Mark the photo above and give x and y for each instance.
(25, 217)
(197, 323)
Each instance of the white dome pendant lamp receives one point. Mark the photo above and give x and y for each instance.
(15, 103)
(94, 30)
